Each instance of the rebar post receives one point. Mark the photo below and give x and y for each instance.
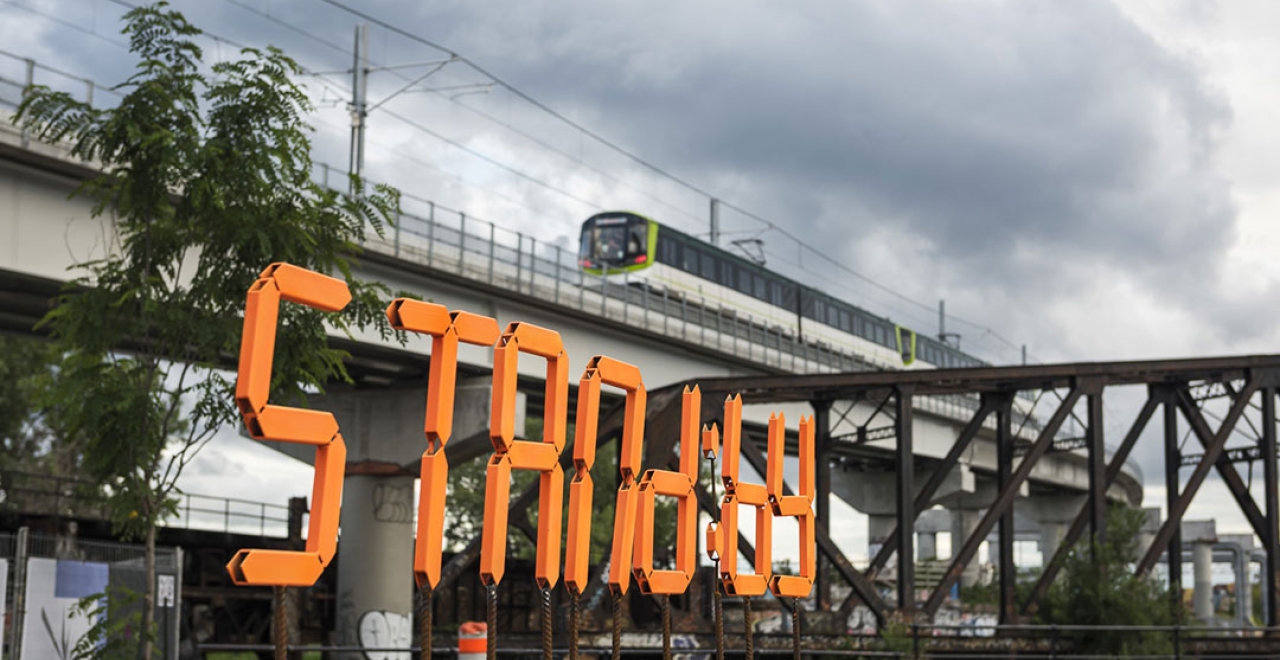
(425, 624)
(491, 641)
(282, 626)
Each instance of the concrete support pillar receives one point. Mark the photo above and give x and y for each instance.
(1202, 566)
(375, 566)
(879, 528)
(963, 523)
(1051, 534)
(927, 545)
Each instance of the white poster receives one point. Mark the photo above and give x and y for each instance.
(54, 586)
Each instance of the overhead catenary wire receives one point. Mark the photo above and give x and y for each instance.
(476, 111)
(647, 164)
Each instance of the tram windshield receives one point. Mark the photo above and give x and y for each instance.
(614, 241)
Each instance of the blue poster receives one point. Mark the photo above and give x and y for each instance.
(77, 579)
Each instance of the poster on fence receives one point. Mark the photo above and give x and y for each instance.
(4, 589)
(54, 586)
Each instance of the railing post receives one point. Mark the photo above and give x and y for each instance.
(533, 262)
(492, 241)
(666, 313)
(31, 80)
(1177, 641)
(702, 321)
(462, 241)
(557, 270)
(604, 292)
(431, 231)
(645, 299)
(399, 219)
(719, 325)
(684, 317)
(519, 258)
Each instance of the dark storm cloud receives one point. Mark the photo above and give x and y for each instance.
(980, 127)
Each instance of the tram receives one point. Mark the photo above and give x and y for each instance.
(656, 256)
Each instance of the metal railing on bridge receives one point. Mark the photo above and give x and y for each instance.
(45, 495)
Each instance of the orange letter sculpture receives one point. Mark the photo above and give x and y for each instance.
(511, 454)
(604, 370)
(736, 584)
(446, 330)
(678, 485)
(283, 424)
(795, 506)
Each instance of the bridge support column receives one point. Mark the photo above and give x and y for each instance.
(879, 528)
(963, 524)
(927, 547)
(375, 564)
(1054, 514)
(1202, 564)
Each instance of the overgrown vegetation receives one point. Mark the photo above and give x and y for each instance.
(206, 180)
(1097, 587)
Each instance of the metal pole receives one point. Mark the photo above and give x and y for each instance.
(1004, 473)
(942, 321)
(1271, 544)
(359, 99)
(1172, 461)
(906, 501)
(822, 488)
(1097, 462)
(19, 591)
(715, 221)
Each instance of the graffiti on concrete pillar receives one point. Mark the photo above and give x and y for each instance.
(385, 630)
(392, 503)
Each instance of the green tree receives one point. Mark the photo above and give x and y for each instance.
(206, 180)
(1097, 587)
(33, 439)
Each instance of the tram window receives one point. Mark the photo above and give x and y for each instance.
(844, 320)
(775, 294)
(743, 281)
(726, 274)
(787, 293)
(689, 260)
(709, 266)
(758, 287)
(809, 308)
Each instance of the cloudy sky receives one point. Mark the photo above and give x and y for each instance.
(1092, 179)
